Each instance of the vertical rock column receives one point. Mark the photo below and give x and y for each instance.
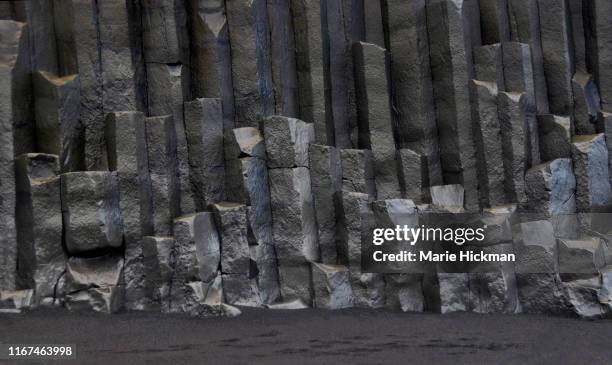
(293, 215)
(494, 21)
(451, 42)
(555, 32)
(239, 287)
(9, 118)
(586, 103)
(247, 182)
(161, 154)
(127, 154)
(599, 47)
(249, 35)
(376, 130)
(39, 225)
(58, 129)
(168, 76)
(413, 90)
(210, 64)
(590, 156)
(204, 126)
(519, 77)
(513, 125)
(488, 140)
(525, 28)
(309, 47)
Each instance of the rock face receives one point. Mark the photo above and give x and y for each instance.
(39, 229)
(158, 258)
(590, 155)
(57, 107)
(91, 213)
(376, 125)
(555, 135)
(287, 141)
(332, 288)
(551, 188)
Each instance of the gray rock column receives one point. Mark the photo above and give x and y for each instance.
(358, 172)
(586, 103)
(414, 175)
(551, 188)
(578, 13)
(451, 42)
(555, 32)
(43, 47)
(604, 125)
(598, 47)
(91, 213)
(158, 262)
(211, 70)
(231, 220)
(514, 132)
(519, 77)
(488, 64)
(127, 152)
(309, 44)
(413, 90)
(168, 87)
(332, 287)
(555, 136)
(165, 34)
(204, 128)
(376, 127)
(9, 117)
(590, 157)
(39, 224)
(487, 136)
(197, 256)
(161, 153)
(16, 85)
(58, 129)
(525, 28)
(249, 37)
(287, 141)
(325, 180)
(494, 21)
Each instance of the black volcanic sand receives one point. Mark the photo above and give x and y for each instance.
(315, 337)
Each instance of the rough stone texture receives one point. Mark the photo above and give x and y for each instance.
(519, 77)
(487, 137)
(135, 279)
(168, 87)
(165, 35)
(161, 153)
(94, 284)
(413, 175)
(599, 39)
(376, 127)
(325, 181)
(249, 37)
(556, 32)
(494, 21)
(525, 28)
(580, 258)
(239, 289)
(586, 103)
(197, 255)
(158, 260)
(555, 137)
(332, 287)
(604, 125)
(551, 188)
(210, 53)
(488, 64)
(39, 224)
(413, 90)
(590, 157)
(451, 40)
(294, 222)
(287, 141)
(295, 283)
(308, 25)
(231, 221)
(539, 288)
(447, 196)
(454, 292)
(514, 133)
(127, 153)
(57, 108)
(358, 172)
(244, 142)
(204, 128)
(578, 13)
(43, 47)
(339, 77)
(91, 213)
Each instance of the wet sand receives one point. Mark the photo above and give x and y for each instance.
(315, 337)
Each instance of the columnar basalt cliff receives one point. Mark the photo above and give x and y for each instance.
(197, 156)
